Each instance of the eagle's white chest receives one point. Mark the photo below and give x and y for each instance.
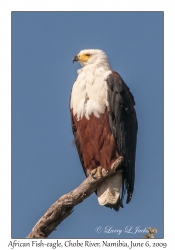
(89, 93)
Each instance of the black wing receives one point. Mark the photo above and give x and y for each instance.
(123, 123)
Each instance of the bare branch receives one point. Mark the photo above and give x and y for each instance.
(63, 207)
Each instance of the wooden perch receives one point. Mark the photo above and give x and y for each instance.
(63, 207)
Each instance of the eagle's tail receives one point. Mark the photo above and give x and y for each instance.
(109, 192)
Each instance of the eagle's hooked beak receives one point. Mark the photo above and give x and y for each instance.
(75, 59)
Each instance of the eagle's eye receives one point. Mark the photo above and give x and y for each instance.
(87, 54)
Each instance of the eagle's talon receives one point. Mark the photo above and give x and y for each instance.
(104, 172)
(93, 171)
(97, 172)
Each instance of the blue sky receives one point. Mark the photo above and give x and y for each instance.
(45, 163)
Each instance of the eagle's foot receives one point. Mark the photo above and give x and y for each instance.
(97, 172)
(104, 172)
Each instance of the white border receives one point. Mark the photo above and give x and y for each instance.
(5, 93)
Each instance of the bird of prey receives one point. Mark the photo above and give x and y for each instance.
(104, 125)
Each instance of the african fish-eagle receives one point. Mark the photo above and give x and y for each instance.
(104, 125)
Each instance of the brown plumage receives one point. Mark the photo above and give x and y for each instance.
(95, 142)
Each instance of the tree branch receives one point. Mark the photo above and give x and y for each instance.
(63, 207)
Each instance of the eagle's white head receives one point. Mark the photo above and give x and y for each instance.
(89, 93)
(92, 57)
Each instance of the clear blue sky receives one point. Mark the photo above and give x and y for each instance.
(45, 164)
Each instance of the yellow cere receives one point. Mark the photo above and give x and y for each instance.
(83, 57)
